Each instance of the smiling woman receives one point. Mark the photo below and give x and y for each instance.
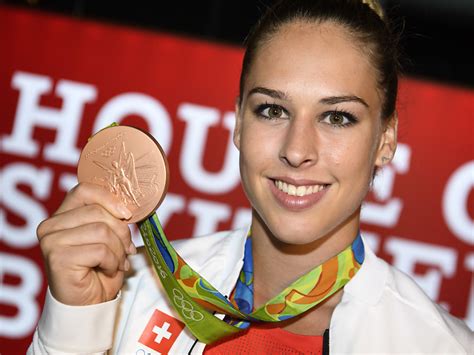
(315, 119)
(302, 124)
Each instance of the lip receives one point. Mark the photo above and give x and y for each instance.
(297, 203)
(297, 182)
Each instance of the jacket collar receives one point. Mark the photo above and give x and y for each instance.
(227, 251)
(368, 284)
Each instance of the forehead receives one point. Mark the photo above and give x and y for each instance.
(315, 58)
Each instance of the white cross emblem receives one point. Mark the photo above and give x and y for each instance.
(162, 332)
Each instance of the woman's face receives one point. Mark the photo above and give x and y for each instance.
(309, 132)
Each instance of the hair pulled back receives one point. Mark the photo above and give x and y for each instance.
(365, 22)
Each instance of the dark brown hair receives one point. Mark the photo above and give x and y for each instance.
(370, 29)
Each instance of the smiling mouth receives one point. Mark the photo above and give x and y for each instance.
(300, 191)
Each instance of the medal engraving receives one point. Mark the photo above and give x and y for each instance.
(130, 164)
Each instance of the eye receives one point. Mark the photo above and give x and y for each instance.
(339, 118)
(271, 111)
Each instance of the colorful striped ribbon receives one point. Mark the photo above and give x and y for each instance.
(195, 299)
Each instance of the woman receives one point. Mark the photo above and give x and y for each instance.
(315, 120)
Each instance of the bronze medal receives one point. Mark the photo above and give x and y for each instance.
(129, 163)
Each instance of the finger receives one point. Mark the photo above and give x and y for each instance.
(86, 215)
(84, 194)
(85, 274)
(98, 255)
(90, 234)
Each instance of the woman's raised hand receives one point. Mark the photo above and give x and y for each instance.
(85, 245)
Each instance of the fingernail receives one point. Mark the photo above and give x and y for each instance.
(131, 249)
(126, 265)
(124, 211)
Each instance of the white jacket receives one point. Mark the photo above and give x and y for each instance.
(382, 310)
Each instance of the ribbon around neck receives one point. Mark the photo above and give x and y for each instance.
(194, 298)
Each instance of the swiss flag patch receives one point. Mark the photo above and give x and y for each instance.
(161, 332)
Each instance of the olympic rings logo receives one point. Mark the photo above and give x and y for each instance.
(186, 308)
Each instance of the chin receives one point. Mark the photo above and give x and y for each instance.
(294, 232)
(291, 230)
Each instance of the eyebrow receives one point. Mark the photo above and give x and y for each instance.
(276, 94)
(332, 100)
(338, 99)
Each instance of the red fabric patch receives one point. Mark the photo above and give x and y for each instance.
(266, 340)
(161, 332)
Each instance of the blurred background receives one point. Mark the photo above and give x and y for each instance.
(69, 68)
(436, 33)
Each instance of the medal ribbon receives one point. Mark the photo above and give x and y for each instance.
(194, 298)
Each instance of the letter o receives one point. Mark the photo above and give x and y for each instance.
(455, 203)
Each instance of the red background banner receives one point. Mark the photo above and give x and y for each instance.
(62, 79)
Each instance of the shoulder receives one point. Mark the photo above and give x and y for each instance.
(402, 290)
(388, 309)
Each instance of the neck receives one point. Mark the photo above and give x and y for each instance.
(278, 264)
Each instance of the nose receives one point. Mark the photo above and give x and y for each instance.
(299, 148)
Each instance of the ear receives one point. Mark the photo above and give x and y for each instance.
(238, 124)
(388, 142)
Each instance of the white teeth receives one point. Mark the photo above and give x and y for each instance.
(300, 191)
(293, 190)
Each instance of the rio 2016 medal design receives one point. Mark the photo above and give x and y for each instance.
(129, 163)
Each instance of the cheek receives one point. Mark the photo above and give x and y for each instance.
(254, 152)
(352, 156)
(258, 146)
